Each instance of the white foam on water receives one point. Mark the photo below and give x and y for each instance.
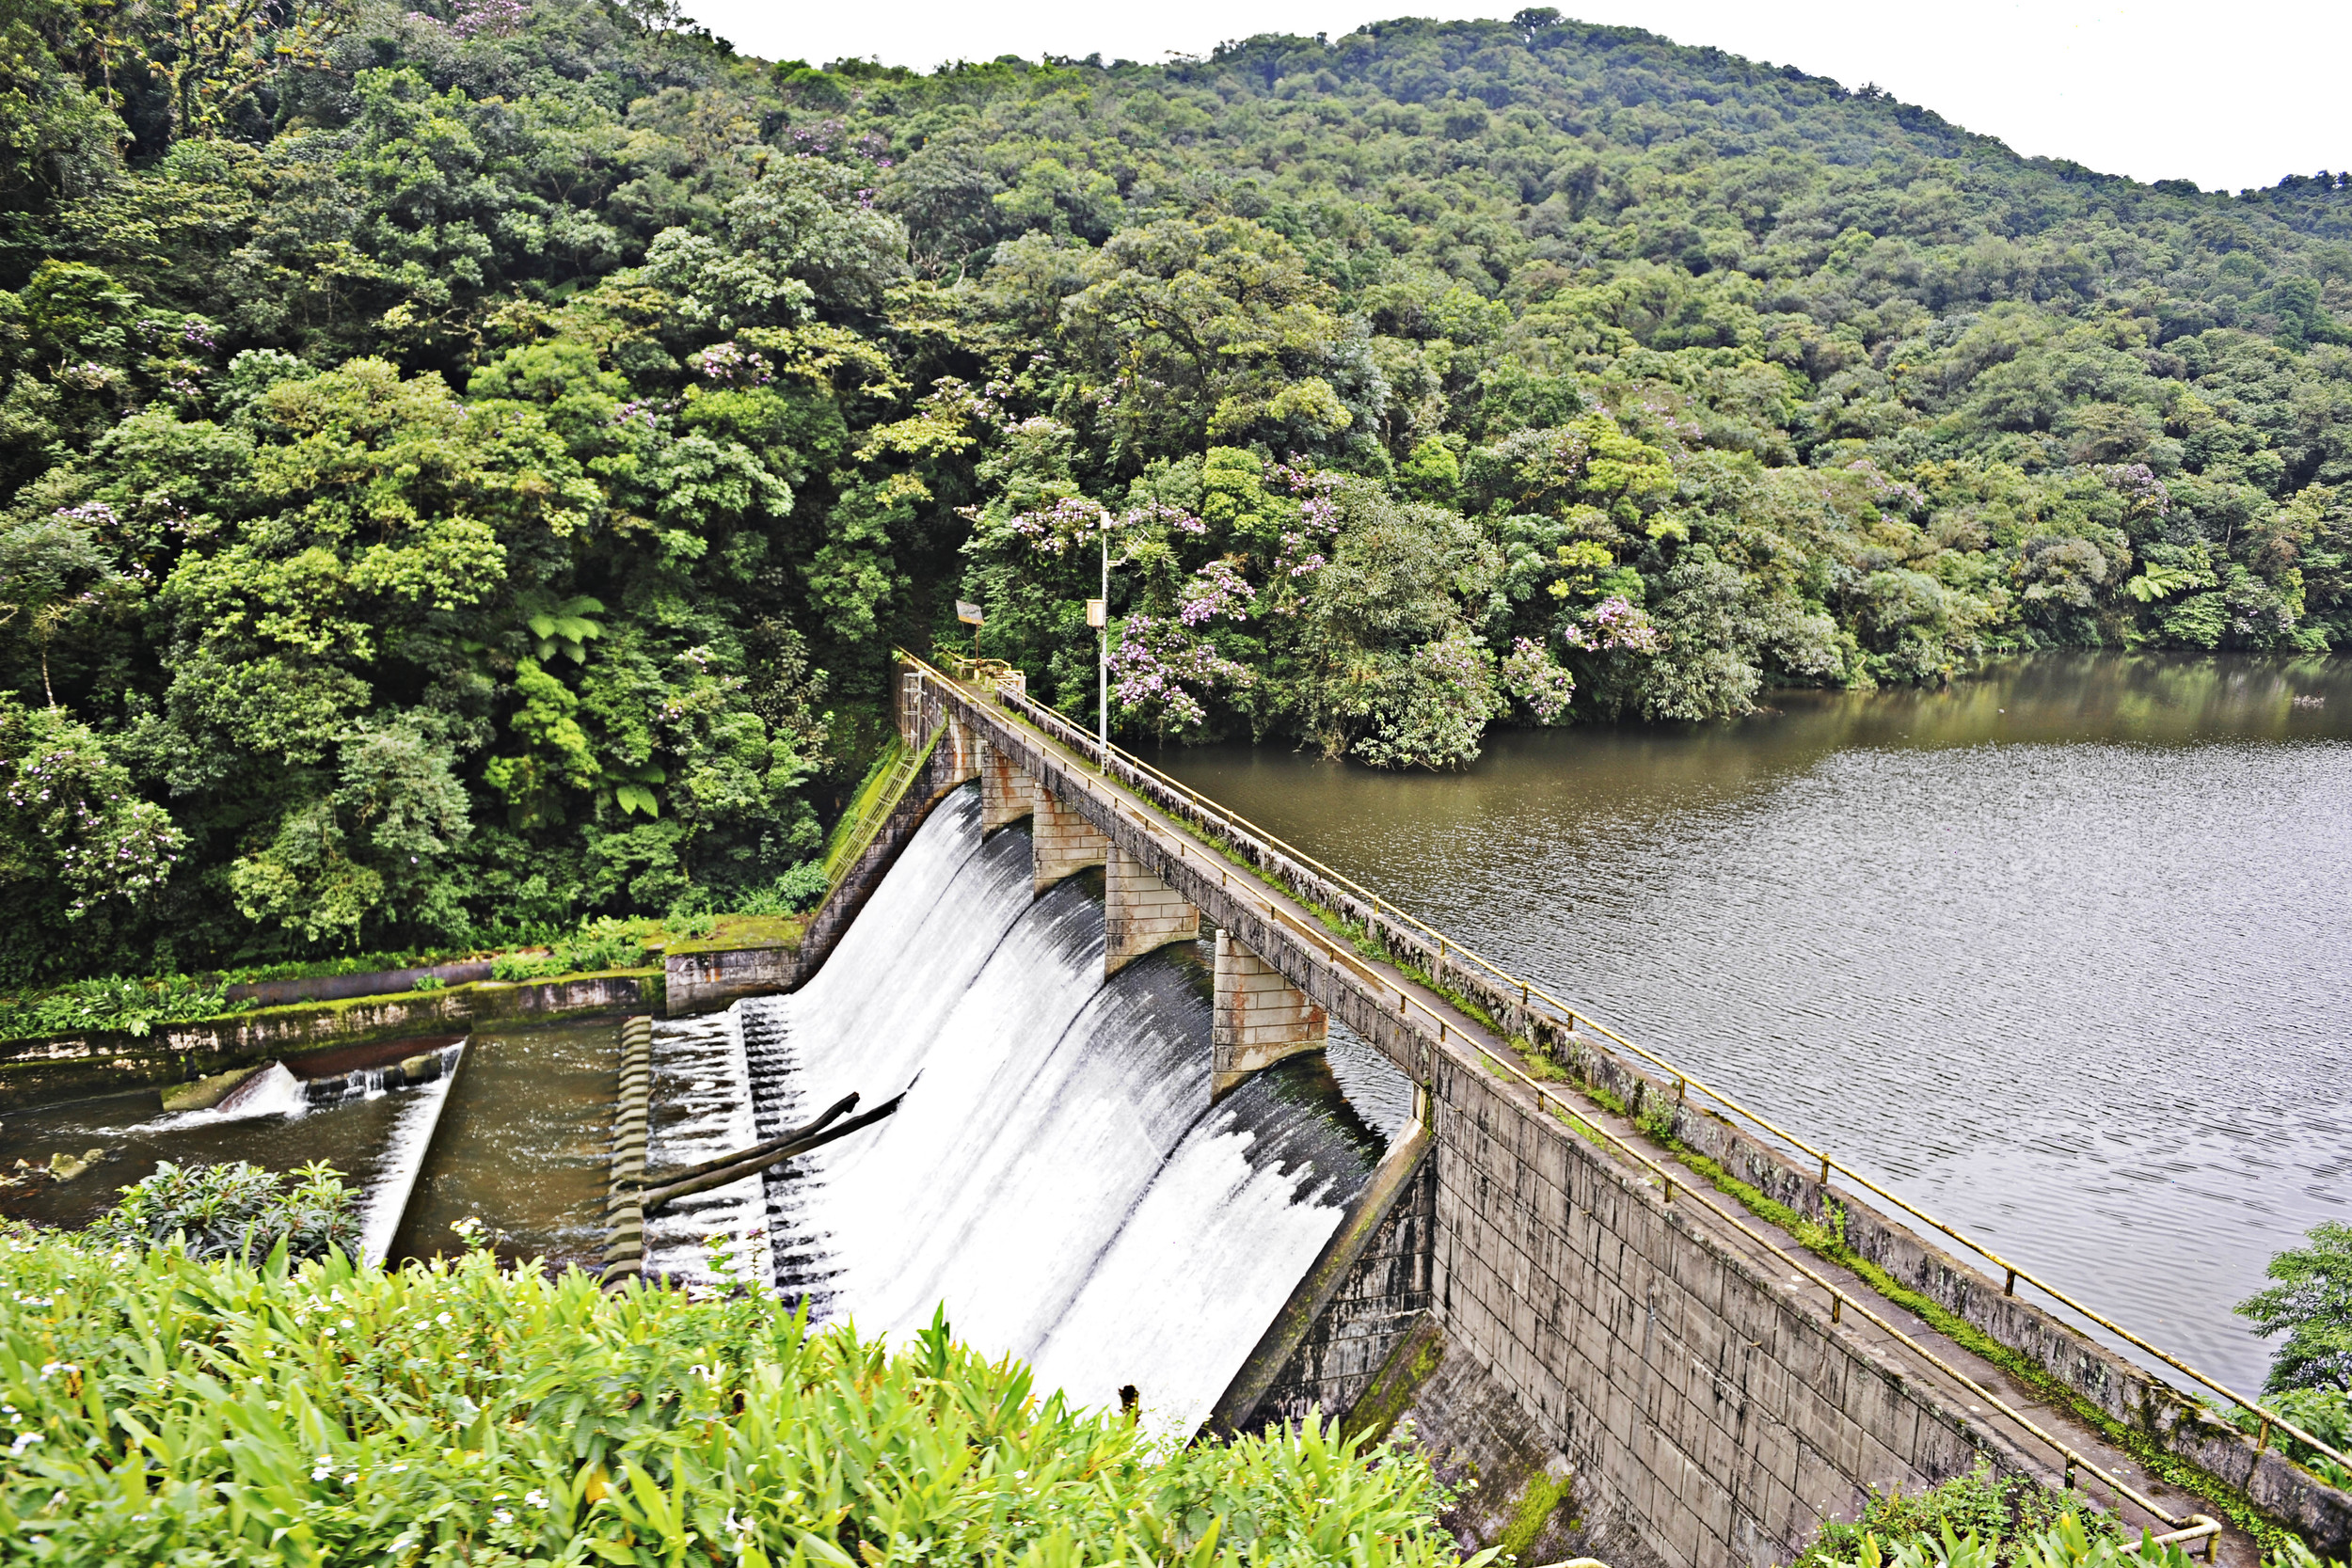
(1055, 1177)
(385, 1198)
(272, 1091)
(700, 1100)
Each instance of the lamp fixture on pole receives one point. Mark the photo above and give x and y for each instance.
(1098, 617)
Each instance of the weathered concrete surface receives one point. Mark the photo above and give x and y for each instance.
(1336, 1268)
(1355, 1321)
(34, 1072)
(206, 1092)
(1007, 794)
(1512, 1487)
(1141, 912)
(1258, 1018)
(1707, 1409)
(1062, 843)
(337, 987)
(703, 979)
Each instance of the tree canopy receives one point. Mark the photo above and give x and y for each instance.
(465, 462)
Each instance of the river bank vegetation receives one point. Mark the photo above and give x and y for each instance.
(223, 1412)
(465, 462)
(2309, 1311)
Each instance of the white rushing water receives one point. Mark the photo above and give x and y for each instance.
(1056, 1177)
(702, 1108)
(386, 1186)
(271, 1091)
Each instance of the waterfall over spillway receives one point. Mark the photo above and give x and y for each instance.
(1056, 1177)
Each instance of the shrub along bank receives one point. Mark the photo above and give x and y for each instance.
(1981, 1520)
(160, 1408)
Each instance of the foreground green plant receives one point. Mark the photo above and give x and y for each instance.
(1979, 1507)
(236, 1211)
(169, 1409)
(1981, 1520)
(2324, 1412)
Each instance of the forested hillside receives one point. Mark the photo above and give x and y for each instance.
(465, 466)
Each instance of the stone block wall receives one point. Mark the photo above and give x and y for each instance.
(1383, 1296)
(1141, 912)
(1007, 793)
(1709, 1413)
(1062, 841)
(1258, 1017)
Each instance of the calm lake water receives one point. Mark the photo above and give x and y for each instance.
(2063, 954)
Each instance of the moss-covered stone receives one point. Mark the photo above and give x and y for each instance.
(205, 1092)
(736, 931)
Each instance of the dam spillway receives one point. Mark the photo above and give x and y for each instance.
(1056, 1178)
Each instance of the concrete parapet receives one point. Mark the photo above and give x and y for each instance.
(1007, 793)
(1062, 841)
(1258, 1019)
(1140, 912)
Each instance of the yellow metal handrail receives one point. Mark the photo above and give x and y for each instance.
(869, 826)
(1237, 827)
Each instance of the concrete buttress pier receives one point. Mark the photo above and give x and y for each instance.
(1258, 1019)
(1141, 912)
(1062, 841)
(1007, 793)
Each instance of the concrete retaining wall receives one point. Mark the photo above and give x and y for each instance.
(704, 980)
(2125, 1391)
(101, 1062)
(1384, 1295)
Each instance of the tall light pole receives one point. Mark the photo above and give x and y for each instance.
(1098, 617)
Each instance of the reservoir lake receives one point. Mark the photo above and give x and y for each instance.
(2064, 953)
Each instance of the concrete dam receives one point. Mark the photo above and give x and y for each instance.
(1190, 1122)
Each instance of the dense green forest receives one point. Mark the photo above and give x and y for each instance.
(465, 466)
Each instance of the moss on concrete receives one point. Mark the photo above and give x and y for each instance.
(1544, 1497)
(734, 932)
(1394, 1387)
(100, 1062)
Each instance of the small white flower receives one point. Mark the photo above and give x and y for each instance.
(24, 1440)
(322, 1473)
(442, 1319)
(502, 1516)
(537, 1498)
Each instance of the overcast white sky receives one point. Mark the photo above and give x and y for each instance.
(2229, 95)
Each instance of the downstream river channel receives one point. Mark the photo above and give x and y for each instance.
(2062, 953)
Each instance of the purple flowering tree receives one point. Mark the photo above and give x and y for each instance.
(63, 794)
(1530, 674)
(1613, 624)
